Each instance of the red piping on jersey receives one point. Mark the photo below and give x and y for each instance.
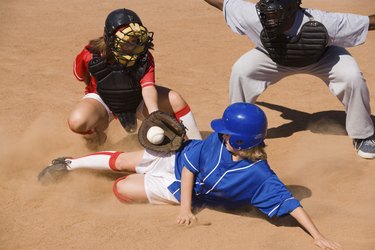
(185, 110)
(76, 74)
(119, 196)
(147, 84)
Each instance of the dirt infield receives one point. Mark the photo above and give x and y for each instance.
(194, 50)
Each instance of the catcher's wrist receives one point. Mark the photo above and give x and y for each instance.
(174, 132)
(153, 111)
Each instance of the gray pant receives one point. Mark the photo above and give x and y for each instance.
(255, 71)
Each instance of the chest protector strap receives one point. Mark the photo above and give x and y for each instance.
(302, 50)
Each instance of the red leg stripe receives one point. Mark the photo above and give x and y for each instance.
(112, 160)
(182, 112)
(119, 196)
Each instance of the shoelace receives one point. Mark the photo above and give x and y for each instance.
(358, 143)
(370, 142)
(58, 161)
(62, 160)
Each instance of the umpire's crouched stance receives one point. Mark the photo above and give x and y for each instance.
(290, 40)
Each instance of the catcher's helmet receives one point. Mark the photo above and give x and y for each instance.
(274, 14)
(245, 123)
(126, 37)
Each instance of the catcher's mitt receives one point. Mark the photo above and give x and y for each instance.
(174, 132)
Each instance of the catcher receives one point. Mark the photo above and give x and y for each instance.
(228, 169)
(119, 72)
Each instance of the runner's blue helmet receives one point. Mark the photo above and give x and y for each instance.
(245, 123)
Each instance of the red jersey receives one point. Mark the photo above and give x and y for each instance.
(80, 70)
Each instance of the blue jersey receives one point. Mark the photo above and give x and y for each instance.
(220, 181)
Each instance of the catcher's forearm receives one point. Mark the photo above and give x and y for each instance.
(372, 22)
(174, 132)
(216, 3)
(150, 98)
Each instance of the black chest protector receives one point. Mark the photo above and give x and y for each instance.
(302, 50)
(119, 87)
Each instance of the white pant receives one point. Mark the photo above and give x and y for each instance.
(158, 169)
(255, 71)
(139, 111)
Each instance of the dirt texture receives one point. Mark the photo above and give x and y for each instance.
(194, 50)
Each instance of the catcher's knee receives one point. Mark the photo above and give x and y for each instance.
(78, 124)
(119, 191)
(176, 101)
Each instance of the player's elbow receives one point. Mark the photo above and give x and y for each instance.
(216, 3)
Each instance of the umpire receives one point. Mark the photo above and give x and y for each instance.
(290, 40)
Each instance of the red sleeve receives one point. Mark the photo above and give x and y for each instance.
(148, 78)
(80, 69)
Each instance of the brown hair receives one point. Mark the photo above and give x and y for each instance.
(254, 154)
(98, 46)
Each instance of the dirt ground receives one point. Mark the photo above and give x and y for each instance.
(194, 50)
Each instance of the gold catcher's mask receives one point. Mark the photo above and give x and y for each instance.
(130, 42)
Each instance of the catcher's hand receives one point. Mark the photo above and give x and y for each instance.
(174, 132)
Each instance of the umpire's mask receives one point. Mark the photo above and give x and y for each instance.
(276, 14)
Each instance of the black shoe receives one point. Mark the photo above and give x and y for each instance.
(128, 121)
(365, 147)
(54, 172)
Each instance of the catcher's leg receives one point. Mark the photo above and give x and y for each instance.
(130, 189)
(172, 102)
(90, 118)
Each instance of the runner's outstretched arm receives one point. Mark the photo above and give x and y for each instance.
(303, 218)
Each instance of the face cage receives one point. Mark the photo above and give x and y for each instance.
(273, 20)
(124, 38)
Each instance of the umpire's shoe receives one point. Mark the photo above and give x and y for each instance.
(54, 172)
(365, 147)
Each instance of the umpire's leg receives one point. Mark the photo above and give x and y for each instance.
(341, 73)
(251, 74)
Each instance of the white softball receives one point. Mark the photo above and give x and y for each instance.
(155, 135)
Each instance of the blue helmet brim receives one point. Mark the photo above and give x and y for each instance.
(218, 126)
